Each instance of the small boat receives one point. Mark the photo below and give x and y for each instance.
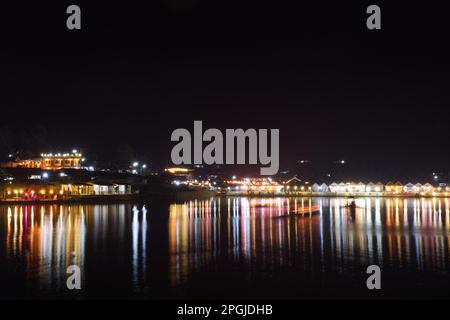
(352, 206)
(262, 205)
(303, 211)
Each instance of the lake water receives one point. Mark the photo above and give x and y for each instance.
(227, 248)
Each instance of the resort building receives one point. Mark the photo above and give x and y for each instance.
(54, 191)
(409, 188)
(254, 186)
(358, 187)
(78, 189)
(427, 188)
(295, 185)
(29, 191)
(48, 161)
(333, 187)
(374, 187)
(418, 187)
(86, 189)
(319, 188)
(111, 189)
(394, 188)
(180, 172)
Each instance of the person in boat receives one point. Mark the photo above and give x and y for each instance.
(352, 207)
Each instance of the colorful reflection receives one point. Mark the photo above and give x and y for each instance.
(160, 254)
(406, 234)
(47, 239)
(42, 241)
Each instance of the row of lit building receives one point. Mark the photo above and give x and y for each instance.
(48, 161)
(297, 186)
(55, 191)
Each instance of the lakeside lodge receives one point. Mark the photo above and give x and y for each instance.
(60, 191)
(48, 161)
(294, 186)
(43, 179)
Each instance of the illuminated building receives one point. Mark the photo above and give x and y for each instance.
(61, 161)
(319, 188)
(49, 161)
(355, 187)
(295, 185)
(180, 172)
(427, 188)
(101, 188)
(418, 187)
(254, 186)
(410, 188)
(33, 191)
(396, 188)
(333, 187)
(374, 187)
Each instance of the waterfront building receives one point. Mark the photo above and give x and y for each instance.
(319, 188)
(254, 186)
(295, 185)
(29, 191)
(427, 188)
(418, 187)
(180, 172)
(349, 187)
(111, 189)
(40, 190)
(48, 161)
(395, 188)
(359, 187)
(323, 187)
(342, 187)
(263, 186)
(409, 188)
(294, 181)
(79, 189)
(374, 187)
(333, 187)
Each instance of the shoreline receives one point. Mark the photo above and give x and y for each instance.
(104, 199)
(184, 196)
(334, 195)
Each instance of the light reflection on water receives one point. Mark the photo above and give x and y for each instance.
(44, 240)
(410, 234)
(159, 250)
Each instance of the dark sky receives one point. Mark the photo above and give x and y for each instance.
(135, 72)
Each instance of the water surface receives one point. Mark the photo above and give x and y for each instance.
(227, 248)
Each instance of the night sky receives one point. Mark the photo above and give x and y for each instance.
(135, 72)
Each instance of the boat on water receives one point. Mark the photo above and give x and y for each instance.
(305, 210)
(302, 212)
(262, 205)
